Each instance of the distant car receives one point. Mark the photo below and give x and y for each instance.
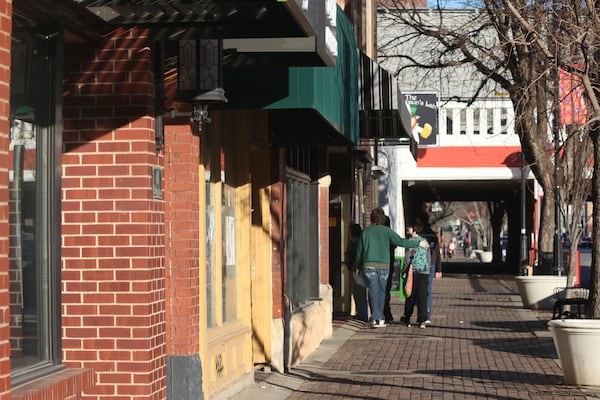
(585, 243)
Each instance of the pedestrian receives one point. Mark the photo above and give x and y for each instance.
(435, 262)
(359, 292)
(387, 310)
(373, 260)
(420, 259)
(451, 247)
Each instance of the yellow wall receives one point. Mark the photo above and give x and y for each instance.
(226, 347)
(260, 239)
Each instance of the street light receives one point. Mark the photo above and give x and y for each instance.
(524, 259)
(558, 256)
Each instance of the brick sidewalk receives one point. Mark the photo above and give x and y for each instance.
(482, 344)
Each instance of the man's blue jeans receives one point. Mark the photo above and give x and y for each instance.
(377, 282)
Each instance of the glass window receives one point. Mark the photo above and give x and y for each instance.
(221, 236)
(34, 206)
(229, 275)
(210, 256)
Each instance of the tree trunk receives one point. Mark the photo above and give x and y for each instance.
(535, 149)
(592, 309)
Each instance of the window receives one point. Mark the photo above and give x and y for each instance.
(222, 279)
(302, 211)
(34, 203)
(302, 240)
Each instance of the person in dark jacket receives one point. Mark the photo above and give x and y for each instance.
(420, 260)
(435, 264)
(373, 260)
(358, 292)
(387, 310)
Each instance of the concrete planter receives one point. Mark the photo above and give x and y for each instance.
(537, 291)
(484, 256)
(576, 342)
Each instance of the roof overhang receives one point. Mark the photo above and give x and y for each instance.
(308, 27)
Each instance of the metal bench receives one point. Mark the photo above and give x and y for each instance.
(573, 297)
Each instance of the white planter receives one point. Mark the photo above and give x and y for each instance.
(577, 344)
(484, 256)
(537, 291)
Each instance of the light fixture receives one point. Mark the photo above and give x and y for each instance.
(200, 76)
(377, 171)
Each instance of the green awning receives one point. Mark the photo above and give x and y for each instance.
(332, 92)
(308, 105)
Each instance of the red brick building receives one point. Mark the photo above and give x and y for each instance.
(157, 245)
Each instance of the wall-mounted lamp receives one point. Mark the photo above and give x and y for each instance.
(200, 76)
(377, 171)
(199, 69)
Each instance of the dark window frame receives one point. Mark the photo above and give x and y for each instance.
(48, 238)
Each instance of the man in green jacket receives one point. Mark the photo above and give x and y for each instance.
(373, 260)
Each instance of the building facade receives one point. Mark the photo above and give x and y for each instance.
(161, 239)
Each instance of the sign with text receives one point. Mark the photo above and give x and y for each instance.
(424, 117)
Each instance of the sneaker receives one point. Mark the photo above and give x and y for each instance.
(379, 324)
(422, 325)
(405, 320)
(428, 322)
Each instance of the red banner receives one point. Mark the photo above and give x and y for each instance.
(573, 105)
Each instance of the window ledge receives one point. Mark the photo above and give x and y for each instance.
(58, 386)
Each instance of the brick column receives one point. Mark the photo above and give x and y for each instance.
(182, 158)
(113, 283)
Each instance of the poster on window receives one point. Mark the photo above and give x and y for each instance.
(424, 117)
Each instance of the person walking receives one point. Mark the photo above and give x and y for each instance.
(373, 260)
(358, 292)
(420, 259)
(387, 310)
(435, 262)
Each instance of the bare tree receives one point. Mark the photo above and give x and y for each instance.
(520, 47)
(476, 215)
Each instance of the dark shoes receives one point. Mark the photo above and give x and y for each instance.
(405, 320)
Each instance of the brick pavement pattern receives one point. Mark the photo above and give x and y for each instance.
(482, 344)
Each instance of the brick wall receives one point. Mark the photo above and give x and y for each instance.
(113, 283)
(182, 156)
(277, 213)
(324, 230)
(5, 33)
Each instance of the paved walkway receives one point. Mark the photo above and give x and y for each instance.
(482, 344)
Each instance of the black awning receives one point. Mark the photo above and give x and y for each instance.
(74, 17)
(303, 128)
(170, 19)
(384, 117)
(176, 19)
